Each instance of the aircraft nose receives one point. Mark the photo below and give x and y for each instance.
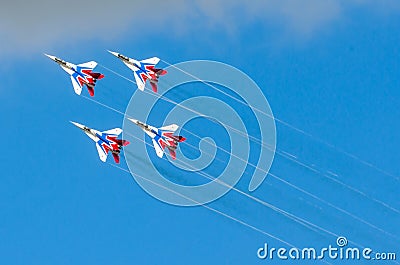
(80, 126)
(50, 56)
(133, 120)
(113, 53)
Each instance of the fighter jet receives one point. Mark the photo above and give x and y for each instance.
(80, 74)
(105, 141)
(143, 70)
(162, 137)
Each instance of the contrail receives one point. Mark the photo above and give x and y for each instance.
(287, 214)
(291, 126)
(295, 218)
(213, 209)
(282, 153)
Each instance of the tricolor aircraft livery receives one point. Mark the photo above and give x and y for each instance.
(162, 137)
(143, 70)
(105, 141)
(81, 74)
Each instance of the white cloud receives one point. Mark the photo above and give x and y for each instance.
(32, 25)
(27, 26)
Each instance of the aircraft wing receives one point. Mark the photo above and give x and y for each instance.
(153, 60)
(139, 81)
(102, 152)
(91, 65)
(158, 148)
(76, 84)
(116, 131)
(172, 127)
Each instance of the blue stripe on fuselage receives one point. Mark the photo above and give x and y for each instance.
(78, 72)
(103, 139)
(142, 69)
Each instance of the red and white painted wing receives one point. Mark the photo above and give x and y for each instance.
(159, 150)
(102, 153)
(139, 82)
(77, 86)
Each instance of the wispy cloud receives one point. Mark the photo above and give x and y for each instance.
(38, 25)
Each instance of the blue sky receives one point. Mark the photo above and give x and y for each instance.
(330, 68)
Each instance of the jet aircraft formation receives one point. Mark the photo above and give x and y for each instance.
(107, 141)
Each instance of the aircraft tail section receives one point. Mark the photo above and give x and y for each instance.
(96, 76)
(107, 142)
(172, 153)
(159, 71)
(178, 138)
(154, 78)
(90, 89)
(122, 142)
(154, 86)
(169, 140)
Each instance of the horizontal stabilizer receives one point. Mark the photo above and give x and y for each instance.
(96, 75)
(90, 90)
(116, 157)
(178, 138)
(122, 142)
(154, 87)
(160, 71)
(172, 153)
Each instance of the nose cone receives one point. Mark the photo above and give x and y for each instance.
(51, 57)
(133, 120)
(80, 126)
(114, 53)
